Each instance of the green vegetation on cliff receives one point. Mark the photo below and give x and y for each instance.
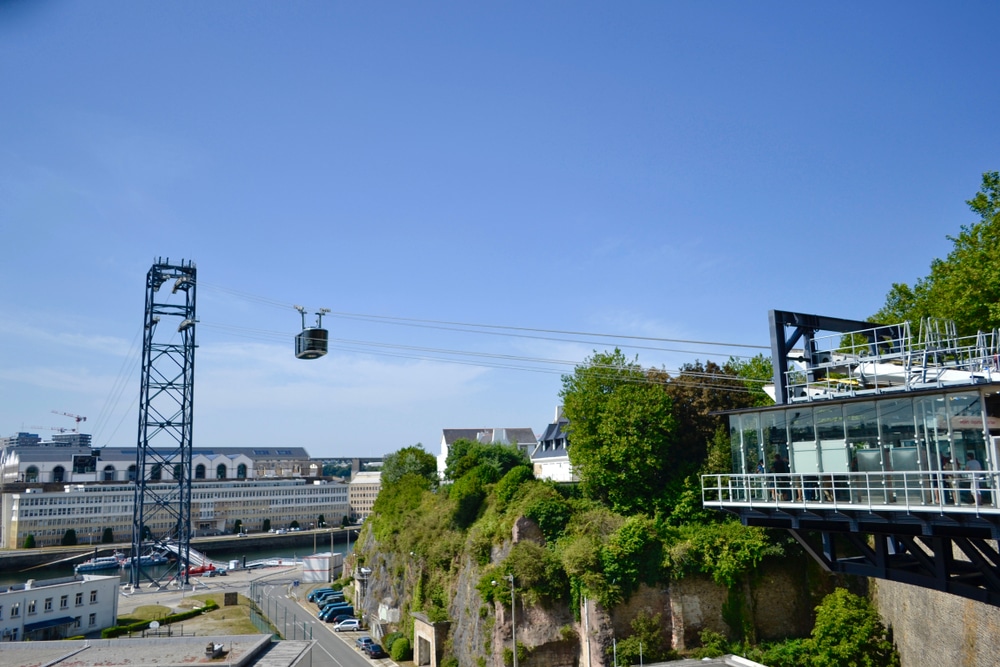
(635, 519)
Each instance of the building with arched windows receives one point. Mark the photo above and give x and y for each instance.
(49, 487)
(47, 511)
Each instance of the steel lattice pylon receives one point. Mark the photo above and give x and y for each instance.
(166, 408)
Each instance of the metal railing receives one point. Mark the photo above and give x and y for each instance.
(846, 364)
(937, 490)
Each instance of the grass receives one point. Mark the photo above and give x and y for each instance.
(232, 620)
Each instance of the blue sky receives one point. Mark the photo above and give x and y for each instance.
(662, 169)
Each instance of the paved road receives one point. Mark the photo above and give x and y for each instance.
(296, 620)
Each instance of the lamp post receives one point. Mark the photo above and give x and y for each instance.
(513, 620)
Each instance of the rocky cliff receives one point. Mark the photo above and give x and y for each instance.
(776, 602)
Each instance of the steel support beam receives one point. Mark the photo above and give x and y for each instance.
(166, 409)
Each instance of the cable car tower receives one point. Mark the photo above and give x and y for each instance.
(166, 409)
(313, 341)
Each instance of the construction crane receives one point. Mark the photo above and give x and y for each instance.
(61, 429)
(78, 419)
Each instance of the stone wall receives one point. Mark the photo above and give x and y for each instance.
(934, 628)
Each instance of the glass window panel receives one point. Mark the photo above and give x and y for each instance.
(734, 442)
(861, 424)
(896, 419)
(800, 425)
(830, 423)
(966, 420)
(774, 433)
(749, 424)
(802, 434)
(931, 416)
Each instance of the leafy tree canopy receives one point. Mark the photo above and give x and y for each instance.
(622, 432)
(409, 461)
(965, 286)
(464, 455)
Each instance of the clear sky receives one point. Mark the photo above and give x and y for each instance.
(663, 169)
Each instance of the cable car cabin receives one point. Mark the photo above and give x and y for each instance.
(311, 343)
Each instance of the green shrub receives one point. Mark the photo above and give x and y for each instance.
(390, 639)
(69, 538)
(724, 551)
(551, 514)
(401, 650)
(511, 483)
(713, 645)
(29, 542)
(646, 641)
(468, 493)
(849, 633)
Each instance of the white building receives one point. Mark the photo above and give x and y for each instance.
(89, 509)
(23, 459)
(523, 438)
(550, 460)
(363, 490)
(58, 608)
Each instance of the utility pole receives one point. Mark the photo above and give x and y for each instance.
(513, 620)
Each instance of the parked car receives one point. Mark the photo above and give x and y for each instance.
(329, 613)
(328, 598)
(374, 651)
(340, 618)
(349, 625)
(316, 592)
(363, 641)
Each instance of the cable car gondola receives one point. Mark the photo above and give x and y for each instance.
(312, 342)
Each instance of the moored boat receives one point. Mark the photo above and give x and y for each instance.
(100, 563)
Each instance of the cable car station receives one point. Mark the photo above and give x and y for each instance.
(883, 442)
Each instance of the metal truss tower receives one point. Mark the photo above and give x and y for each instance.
(166, 407)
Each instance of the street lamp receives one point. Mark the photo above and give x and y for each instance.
(513, 620)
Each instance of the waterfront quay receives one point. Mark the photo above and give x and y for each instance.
(304, 541)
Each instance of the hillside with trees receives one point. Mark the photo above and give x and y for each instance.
(452, 549)
(634, 523)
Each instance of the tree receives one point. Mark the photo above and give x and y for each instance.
(237, 526)
(29, 542)
(965, 286)
(700, 392)
(621, 430)
(849, 633)
(321, 521)
(69, 538)
(266, 526)
(336, 470)
(645, 642)
(108, 537)
(294, 524)
(464, 455)
(409, 460)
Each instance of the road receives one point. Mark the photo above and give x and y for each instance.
(296, 621)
